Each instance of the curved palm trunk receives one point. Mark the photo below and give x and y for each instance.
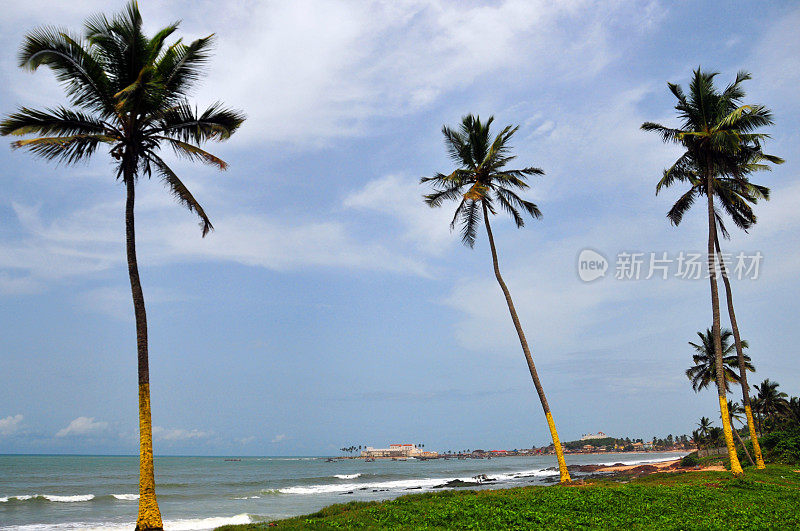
(562, 464)
(739, 438)
(736, 468)
(149, 517)
(740, 356)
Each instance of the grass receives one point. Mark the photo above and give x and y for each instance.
(763, 499)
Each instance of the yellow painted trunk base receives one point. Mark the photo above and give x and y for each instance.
(149, 515)
(754, 438)
(736, 467)
(562, 464)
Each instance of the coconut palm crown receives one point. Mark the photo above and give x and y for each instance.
(718, 133)
(128, 94)
(481, 178)
(703, 372)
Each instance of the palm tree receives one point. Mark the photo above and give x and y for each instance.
(793, 410)
(736, 412)
(703, 372)
(773, 402)
(748, 162)
(481, 184)
(717, 133)
(128, 93)
(703, 426)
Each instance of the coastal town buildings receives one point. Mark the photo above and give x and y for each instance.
(590, 436)
(397, 450)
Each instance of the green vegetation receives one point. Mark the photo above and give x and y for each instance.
(689, 500)
(690, 460)
(783, 446)
(597, 443)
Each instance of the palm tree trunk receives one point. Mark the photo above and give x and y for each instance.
(736, 468)
(735, 432)
(149, 515)
(740, 356)
(562, 464)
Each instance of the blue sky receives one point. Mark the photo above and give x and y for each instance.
(331, 307)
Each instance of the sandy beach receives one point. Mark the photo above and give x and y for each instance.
(672, 465)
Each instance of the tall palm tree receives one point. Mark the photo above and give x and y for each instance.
(736, 412)
(129, 94)
(481, 184)
(703, 372)
(773, 402)
(717, 132)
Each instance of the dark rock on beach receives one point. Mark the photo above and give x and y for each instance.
(456, 483)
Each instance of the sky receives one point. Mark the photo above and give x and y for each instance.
(331, 307)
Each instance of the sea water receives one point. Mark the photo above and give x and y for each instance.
(100, 492)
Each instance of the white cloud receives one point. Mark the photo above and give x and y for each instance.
(83, 426)
(177, 434)
(246, 440)
(10, 424)
(427, 228)
(89, 240)
(278, 438)
(306, 71)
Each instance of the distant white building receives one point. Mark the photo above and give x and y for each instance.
(397, 450)
(590, 436)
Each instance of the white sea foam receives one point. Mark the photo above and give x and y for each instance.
(68, 499)
(347, 476)
(192, 524)
(127, 497)
(537, 472)
(247, 498)
(50, 497)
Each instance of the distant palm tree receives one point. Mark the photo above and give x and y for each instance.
(703, 426)
(703, 372)
(773, 402)
(481, 184)
(697, 438)
(793, 412)
(717, 133)
(130, 95)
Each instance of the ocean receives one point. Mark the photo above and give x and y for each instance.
(194, 493)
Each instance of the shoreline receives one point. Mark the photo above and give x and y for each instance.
(499, 456)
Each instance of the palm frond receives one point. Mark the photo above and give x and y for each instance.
(182, 122)
(67, 149)
(681, 206)
(181, 193)
(78, 70)
(194, 153)
(59, 121)
(470, 219)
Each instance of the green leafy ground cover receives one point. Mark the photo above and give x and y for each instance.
(763, 499)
